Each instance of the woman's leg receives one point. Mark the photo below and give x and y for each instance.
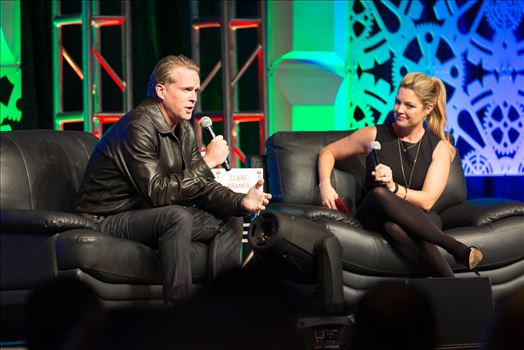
(380, 205)
(421, 253)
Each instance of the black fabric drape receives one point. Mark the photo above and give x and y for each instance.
(37, 94)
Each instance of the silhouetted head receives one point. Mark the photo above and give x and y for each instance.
(56, 308)
(394, 316)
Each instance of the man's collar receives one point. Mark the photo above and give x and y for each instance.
(151, 105)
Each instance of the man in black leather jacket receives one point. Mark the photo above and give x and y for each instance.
(147, 181)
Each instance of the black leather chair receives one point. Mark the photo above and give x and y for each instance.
(42, 239)
(496, 226)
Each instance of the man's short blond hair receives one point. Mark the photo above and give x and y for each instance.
(162, 73)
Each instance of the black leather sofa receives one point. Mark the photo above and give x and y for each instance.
(496, 226)
(42, 239)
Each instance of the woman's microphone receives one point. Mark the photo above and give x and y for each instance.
(374, 147)
(207, 124)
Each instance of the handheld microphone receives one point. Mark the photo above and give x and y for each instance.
(374, 147)
(207, 124)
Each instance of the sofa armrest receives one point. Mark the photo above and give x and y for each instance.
(256, 161)
(42, 221)
(315, 213)
(476, 212)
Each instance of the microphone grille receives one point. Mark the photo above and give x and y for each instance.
(375, 146)
(205, 122)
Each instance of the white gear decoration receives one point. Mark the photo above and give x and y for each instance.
(509, 124)
(475, 163)
(503, 15)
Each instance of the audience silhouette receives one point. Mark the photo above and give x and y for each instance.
(507, 329)
(394, 316)
(57, 308)
(241, 310)
(245, 309)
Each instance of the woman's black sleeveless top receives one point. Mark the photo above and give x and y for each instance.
(389, 155)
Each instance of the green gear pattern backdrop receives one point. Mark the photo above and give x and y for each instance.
(10, 61)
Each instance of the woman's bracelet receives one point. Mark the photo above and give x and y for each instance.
(406, 193)
(326, 180)
(396, 188)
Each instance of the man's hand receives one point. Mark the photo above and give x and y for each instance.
(256, 199)
(216, 152)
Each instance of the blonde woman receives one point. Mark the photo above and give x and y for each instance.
(413, 170)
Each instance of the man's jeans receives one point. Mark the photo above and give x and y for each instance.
(171, 229)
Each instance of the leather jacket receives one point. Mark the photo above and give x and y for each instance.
(140, 162)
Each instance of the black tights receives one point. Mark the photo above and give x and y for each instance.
(410, 230)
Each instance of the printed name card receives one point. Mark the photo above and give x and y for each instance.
(238, 179)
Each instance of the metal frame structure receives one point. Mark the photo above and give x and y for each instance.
(92, 115)
(231, 115)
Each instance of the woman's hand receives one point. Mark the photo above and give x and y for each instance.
(328, 194)
(355, 144)
(383, 173)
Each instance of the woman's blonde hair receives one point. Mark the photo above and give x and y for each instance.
(162, 73)
(431, 90)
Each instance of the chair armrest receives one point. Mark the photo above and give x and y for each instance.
(256, 161)
(315, 213)
(42, 221)
(476, 212)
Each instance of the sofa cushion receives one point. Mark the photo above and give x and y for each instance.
(26, 259)
(455, 190)
(117, 260)
(368, 253)
(481, 211)
(292, 168)
(42, 169)
(108, 258)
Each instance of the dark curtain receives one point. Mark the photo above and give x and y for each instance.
(37, 94)
(158, 29)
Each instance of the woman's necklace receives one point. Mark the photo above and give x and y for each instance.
(406, 183)
(405, 149)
